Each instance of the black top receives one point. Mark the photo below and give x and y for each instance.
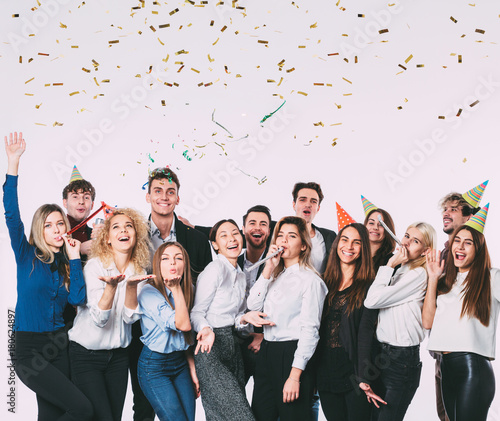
(346, 342)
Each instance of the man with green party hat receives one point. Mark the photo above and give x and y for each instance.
(457, 210)
(78, 199)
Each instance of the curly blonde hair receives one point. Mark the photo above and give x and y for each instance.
(141, 253)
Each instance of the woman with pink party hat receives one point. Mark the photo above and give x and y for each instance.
(398, 292)
(344, 360)
(461, 307)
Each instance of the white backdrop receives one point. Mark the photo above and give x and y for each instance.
(397, 101)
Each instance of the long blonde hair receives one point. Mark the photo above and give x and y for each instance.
(141, 252)
(37, 239)
(429, 236)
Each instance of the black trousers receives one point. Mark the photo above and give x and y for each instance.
(274, 363)
(102, 375)
(143, 411)
(42, 364)
(468, 386)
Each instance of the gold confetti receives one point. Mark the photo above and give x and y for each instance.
(459, 112)
(347, 80)
(281, 80)
(441, 117)
(85, 70)
(403, 67)
(302, 93)
(216, 41)
(383, 31)
(333, 54)
(40, 124)
(96, 82)
(453, 19)
(400, 107)
(355, 59)
(474, 103)
(74, 93)
(460, 58)
(465, 160)
(173, 12)
(336, 124)
(20, 59)
(38, 106)
(160, 41)
(16, 15)
(42, 54)
(281, 63)
(182, 67)
(95, 63)
(62, 25)
(260, 41)
(223, 28)
(409, 58)
(211, 60)
(152, 28)
(318, 84)
(302, 46)
(105, 81)
(314, 25)
(57, 124)
(212, 23)
(29, 94)
(28, 81)
(360, 15)
(75, 46)
(480, 31)
(420, 65)
(290, 70)
(163, 102)
(114, 41)
(181, 52)
(194, 70)
(271, 81)
(57, 84)
(347, 94)
(319, 123)
(165, 25)
(154, 12)
(208, 84)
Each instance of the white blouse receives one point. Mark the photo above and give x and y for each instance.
(452, 333)
(219, 299)
(294, 301)
(99, 329)
(400, 299)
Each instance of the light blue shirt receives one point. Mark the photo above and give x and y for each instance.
(158, 322)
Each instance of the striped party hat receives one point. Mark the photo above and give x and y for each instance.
(473, 196)
(343, 218)
(75, 175)
(478, 220)
(367, 205)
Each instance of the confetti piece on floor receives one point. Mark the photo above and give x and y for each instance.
(271, 114)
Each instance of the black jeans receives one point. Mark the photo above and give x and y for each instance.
(102, 375)
(400, 368)
(42, 364)
(468, 386)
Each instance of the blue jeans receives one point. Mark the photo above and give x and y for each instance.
(400, 368)
(166, 382)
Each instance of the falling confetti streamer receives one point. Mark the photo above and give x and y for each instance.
(272, 113)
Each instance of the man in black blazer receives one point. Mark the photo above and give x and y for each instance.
(307, 198)
(163, 195)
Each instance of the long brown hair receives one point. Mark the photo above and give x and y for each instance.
(476, 296)
(363, 270)
(186, 283)
(388, 243)
(305, 255)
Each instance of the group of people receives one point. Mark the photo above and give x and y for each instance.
(312, 315)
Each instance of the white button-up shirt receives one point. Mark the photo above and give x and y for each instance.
(400, 299)
(95, 328)
(219, 299)
(294, 301)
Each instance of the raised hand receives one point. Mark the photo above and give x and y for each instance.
(136, 279)
(112, 280)
(435, 267)
(15, 146)
(399, 258)
(72, 247)
(173, 282)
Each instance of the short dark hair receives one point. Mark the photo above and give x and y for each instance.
(311, 185)
(257, 208)
(467, 209)
(77, 185)
(163, 173)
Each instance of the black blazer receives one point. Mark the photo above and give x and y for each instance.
(196, 244)
(329, 237)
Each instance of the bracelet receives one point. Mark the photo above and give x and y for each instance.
(298, 381)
